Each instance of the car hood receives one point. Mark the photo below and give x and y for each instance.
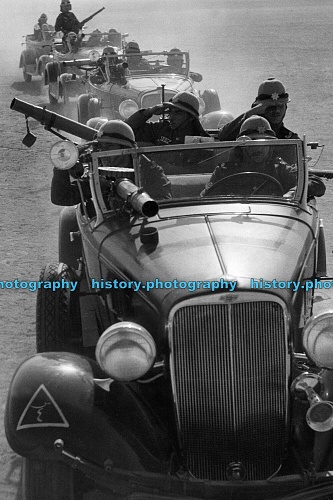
(153, 82)
(237, 247)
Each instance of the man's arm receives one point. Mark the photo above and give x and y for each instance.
(66, 193)
(145, 132)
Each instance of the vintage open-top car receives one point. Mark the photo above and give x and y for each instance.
(67, 71)
(37, 53)
(116, 93)
(201, 367)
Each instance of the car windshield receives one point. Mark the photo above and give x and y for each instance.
(247, 168)
(157, 63)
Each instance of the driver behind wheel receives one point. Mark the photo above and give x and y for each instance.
(261, 160)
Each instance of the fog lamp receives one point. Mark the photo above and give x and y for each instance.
(127, 108)
(318, 339)
(125, 351)
(94, 55)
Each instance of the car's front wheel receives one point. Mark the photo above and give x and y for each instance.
(54, 480)
(45, 479)
(58, 316)
(26, 76)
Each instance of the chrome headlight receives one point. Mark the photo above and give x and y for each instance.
(125, 351)
(127, 108)
(318, 339)
(94, 55)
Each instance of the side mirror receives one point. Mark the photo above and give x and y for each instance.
(196, 77)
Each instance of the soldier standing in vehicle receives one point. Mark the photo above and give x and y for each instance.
(271, 103)
(183, 120)
(66, 20)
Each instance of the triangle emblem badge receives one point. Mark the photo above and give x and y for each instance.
(42, 411)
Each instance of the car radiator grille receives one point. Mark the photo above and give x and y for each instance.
(229, 369)
(152, 99)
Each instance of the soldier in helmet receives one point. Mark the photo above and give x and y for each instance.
(134, 59)
(67, 21)
(112, 134)
(261, 159)
(42, 21)
(271, 103)
(183, 120)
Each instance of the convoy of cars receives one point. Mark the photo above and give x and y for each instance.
(120, 93)
(186, 353)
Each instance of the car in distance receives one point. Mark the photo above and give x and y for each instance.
(67, 71)
(36, 53)
(118, 94)
(201, 367)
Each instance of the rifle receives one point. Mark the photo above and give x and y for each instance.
(53, 120)
(90, 17)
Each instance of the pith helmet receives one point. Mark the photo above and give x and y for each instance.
(272, 90)
(132, 48)
(116, 132)
(186, 102)
(256, 127)
(96, 122)
(109, 50)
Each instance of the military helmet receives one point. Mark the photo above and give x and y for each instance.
(272, 90)
(186, 102)
(96, 122)
(65, 3)
(109, 51)
(132, 48)
(116, 132)
(256, 127)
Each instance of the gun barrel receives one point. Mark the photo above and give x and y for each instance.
(139, 199)
(53, 120)
(90, 17)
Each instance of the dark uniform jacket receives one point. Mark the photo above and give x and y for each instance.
(66, 22)
(275, 167)
(160, 133)
(230, 131)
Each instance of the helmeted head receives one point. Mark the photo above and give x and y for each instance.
(185, 101)
(273, 94)
(132, 48)
(65, 6)
(116, 132)
(175, 58)
(256, 127)
(272, 90)
(42, 19)
(96, 122)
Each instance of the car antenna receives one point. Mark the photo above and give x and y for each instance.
(163, 99)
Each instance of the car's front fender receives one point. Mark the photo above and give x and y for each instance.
(54, 396)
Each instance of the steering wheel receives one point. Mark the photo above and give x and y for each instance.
(246, 184)
(165, 68)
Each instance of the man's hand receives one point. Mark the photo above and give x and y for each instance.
(156, 110)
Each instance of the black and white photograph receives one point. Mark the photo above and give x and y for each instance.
(166, 277)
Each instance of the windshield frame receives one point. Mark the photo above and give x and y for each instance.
(299, 199)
